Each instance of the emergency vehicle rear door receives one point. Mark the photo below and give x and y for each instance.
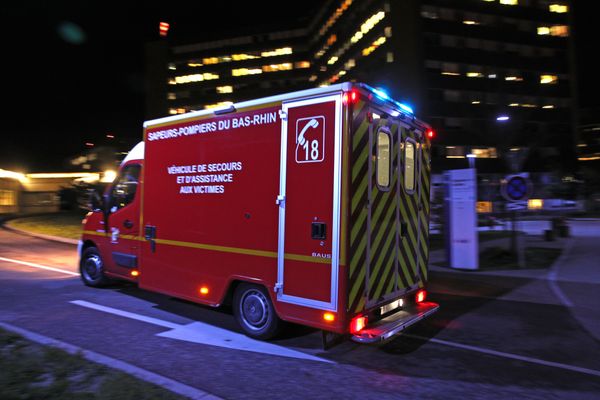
(309, 202)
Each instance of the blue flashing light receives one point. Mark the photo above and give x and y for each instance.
(406, 108)
(381, 94)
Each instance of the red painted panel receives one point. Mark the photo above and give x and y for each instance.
(212, 182)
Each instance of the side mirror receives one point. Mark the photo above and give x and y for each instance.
(95, 203)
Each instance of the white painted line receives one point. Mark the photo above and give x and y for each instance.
(39, 266)
(553, 275)
(140, 373)
(508, 355)
(199, 332)
(126, 314)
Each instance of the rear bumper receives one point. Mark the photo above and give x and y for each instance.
(387, 327)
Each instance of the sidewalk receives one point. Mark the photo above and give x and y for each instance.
(573, 281)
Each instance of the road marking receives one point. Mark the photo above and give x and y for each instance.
(143, 374)
(199, 332)
(507, 355)
(40, 266)
(553, 275)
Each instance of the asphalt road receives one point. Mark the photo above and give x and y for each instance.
(495, 337)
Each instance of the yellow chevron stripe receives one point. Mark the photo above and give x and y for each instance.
(362, 246)
(375, 268)
(386, 272)
(354, 290)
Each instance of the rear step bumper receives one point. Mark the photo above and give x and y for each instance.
(395, 323)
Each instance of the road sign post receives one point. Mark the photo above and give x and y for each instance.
(516, 189)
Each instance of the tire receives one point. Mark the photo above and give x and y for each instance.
(91, 268)
(254, 312)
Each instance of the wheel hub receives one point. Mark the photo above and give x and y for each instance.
(92, 268)
(254, 309)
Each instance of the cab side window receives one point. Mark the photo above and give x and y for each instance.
(125, 187)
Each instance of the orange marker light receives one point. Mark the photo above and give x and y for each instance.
(203, 290)
(329, 317)
(135, 272)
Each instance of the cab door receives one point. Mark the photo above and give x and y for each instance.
(123, 222)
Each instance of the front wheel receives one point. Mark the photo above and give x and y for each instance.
(91, 268)
(254, 312)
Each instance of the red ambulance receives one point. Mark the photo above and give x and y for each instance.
(310, 207)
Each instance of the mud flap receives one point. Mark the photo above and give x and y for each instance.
(331, 339)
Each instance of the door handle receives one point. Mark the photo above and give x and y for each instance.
(128, 224)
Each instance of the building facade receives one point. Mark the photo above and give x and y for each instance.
(491, 76)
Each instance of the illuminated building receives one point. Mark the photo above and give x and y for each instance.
(459, 63)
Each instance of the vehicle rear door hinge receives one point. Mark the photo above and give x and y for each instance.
(280, 199)
(282, 115)
(278, 287)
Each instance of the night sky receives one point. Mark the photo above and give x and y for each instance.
(73, 70)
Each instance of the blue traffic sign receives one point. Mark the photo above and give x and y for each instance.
(516, 188)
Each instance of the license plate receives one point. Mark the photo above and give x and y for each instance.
(391, 306)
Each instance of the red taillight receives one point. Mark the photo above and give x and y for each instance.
(430, 134)
(350, 97)
(420, 297)
(357, 324)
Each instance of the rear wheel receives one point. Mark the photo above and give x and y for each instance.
(254, 312)
(91, 268)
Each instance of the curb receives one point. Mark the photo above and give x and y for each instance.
(140, 373)
(41, 236)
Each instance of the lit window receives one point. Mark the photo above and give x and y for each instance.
(242, 57)
(373, 46)
(245, 71)
(367, 26)
(218, 105)
(277, 52)
(513, 78)
(509, 2)
(470, 22)
(277, 67)
(224, 89)
(474, 75)
(455, 152)
(558, 8)
(535, 204)
(559, 30)
(302, 64)
(543, 30)
(171, 96)
(384, 146)
(548, 79)
(207, 76)
(8, 198)
(332, 60)
(338, 12)
(409, 166)
(488, 152)
(483, 207)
